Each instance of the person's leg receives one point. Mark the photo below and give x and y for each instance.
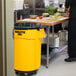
(71, 42)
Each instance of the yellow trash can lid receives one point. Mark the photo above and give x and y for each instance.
(27, 31)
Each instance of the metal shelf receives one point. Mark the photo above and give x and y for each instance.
(54, 51)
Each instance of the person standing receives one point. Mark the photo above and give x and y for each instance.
(71, 30)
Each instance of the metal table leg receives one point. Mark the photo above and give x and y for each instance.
(53, 35)
(48, 32)
(53, 31)
(63, 25)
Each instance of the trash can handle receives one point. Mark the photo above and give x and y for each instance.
(42, 33)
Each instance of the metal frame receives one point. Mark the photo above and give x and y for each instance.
(48, 32)
(53, 35)
(48, 44)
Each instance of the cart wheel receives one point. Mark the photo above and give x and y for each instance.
(22, 74)
(17, 73)
(47, 67)
(32, 73)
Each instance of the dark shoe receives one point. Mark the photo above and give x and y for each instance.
(70, 59)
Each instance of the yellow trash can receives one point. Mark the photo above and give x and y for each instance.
(27, 49)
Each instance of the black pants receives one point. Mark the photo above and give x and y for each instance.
(72, 38)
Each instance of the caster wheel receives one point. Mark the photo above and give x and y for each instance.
(22, 74)
(16, 72)
(19, 73)
(47, 67)
(35, 72)
(32, 73)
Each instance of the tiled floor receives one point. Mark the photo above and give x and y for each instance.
(58, 67)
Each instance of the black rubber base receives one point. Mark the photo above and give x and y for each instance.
(27, 72)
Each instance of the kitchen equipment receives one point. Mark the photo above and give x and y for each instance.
(63, 35)
(26, 6)
(54, 41)
(56, 3)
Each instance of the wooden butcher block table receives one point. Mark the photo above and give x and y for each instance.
(45, 22)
